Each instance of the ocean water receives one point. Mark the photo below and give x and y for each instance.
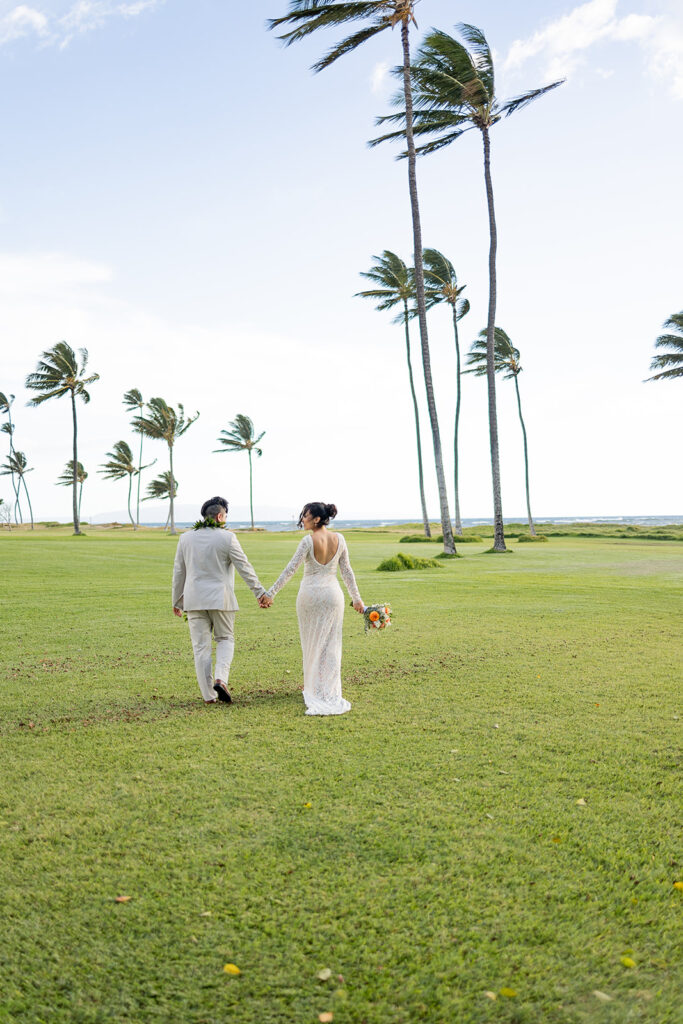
(350, 524)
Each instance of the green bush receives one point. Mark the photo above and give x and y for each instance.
(401, 562)
(412, 539)
(448, 554)
(468, 538)
(526, 538)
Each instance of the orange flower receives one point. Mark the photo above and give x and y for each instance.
(387, 612)
(373, 616)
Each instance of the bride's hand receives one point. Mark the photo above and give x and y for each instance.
(359, 606)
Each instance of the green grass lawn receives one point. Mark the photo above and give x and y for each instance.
(428, 848)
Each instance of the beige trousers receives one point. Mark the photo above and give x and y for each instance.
(202, 624)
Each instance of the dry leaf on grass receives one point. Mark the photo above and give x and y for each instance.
(308, 805)
(205, 913)
(509, 992)
(490, 995)
(627, 961)
(122, 899)
(581, 802)
(325, 974)
(232, 969)
(326, 1018)
(602, 996)
(678, 885)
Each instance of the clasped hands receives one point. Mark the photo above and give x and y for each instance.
(264, 601)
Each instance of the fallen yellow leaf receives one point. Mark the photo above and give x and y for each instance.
(490, 995)
(627, 961)
(205, 913)
(326, 1018)
(602, 996)
(581, 802)
(509, 992)
(232, 969)
(678, 885)
(325, 974)
(308, 805)
(122, 899)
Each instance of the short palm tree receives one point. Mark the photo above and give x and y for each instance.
(119, 466)
(240, 438)
(59, 373)
(671, 362)
(6, 402)
(506, 362)
(163, 423)
(395, 285)
(308, 16)
(453, 92)
(134, 401)
(66, 480)
(162, 490)
(16, 465)
(441, 285)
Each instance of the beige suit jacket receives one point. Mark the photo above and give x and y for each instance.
(204, 571)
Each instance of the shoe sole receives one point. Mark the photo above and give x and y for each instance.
(222, 694)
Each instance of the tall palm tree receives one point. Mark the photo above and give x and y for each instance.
(66, 480)
(120, 465)
(240, 438)
(134, 401)
(506, 362)
(454, 91)
(441, 285)
(16, 465)
(58, 374)
(6, 402)
(672, 360)
(163, 423)
(396, 284)
(308, 16)
(161, 489)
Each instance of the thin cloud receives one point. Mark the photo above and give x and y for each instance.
(379, 77)
(562, 44)
(56, 24)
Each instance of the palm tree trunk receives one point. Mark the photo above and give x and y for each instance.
(448, 543)
(137, 514)
(76, 502)
(498, 533)
(23, 480)
(16, 485)
(532, 531)
(171, 510)
(167, 517)
(458, 522)
(425, 517)
(130, 487)
(80, 499)
(251, 499)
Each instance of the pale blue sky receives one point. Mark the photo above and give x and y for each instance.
(179, 194)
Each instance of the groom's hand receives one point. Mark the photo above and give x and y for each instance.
(265, 601)
(178, 612)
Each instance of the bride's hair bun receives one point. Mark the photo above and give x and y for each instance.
(319, 510)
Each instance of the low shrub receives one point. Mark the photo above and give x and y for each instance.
(526, 538)
(401, 562)
(468, 538)
(448, 554)
(417, 540)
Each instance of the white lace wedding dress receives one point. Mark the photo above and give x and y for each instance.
(320, 610)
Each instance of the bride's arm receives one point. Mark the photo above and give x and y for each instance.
(349, 578)
(289, 569)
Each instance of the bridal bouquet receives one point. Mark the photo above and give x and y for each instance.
(377, 616)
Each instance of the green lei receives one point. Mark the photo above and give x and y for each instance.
(208, 523)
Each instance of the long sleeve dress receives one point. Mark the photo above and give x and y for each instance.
(320, 610)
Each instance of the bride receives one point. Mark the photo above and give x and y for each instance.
(320, 607)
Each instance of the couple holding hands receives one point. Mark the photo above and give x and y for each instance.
(203, 587)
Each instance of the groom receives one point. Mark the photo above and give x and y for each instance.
(204, 587)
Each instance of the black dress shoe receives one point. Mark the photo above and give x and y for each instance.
(222, 692)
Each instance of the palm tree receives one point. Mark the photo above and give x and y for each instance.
(673, 359)
(133, 400)
(441, 285)
(506, 361)
(66, 480)
(454, 91)
(58, 374)
(16, 465)
(163, 423)
(240, 438)
(306, 17)
(396, 284)
(8, 428)
(120, 465)
(161, 489)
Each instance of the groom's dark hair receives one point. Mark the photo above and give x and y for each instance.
(213, 507)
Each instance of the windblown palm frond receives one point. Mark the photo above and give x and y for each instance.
(308, 16)
(133, 399)
(505, 355)
(396, 282)
(240, 437)
(58, 373)
(161, 487)
(441, 283)
(163, 422)
(16, 464)
(67, 475)
(120, 462)
(5, 402)
(670, 363)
